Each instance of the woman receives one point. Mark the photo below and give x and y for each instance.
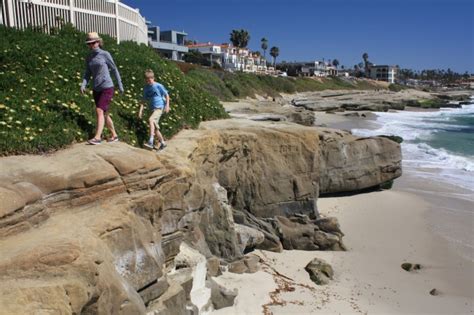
(99, 63)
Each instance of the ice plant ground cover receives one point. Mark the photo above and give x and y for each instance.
(42, 109)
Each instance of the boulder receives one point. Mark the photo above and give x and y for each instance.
(319, 271)
(297, 234)
(221, 296)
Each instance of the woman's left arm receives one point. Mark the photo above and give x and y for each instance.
(113, 67)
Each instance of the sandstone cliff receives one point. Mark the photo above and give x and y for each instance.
(114, 229)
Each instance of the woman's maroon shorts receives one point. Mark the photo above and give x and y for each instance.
(102, 98)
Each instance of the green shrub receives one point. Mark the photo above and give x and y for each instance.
(396, 87)
(41, 108)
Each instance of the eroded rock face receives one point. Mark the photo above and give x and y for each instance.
(96, 229)
(353, 164)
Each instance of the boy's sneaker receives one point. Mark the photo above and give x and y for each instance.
(94, 141)
(149, 145)
(113, 139)
(162, 146)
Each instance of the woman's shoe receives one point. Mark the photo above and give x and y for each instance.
(94, 141)
(113, 139)
(149, 145)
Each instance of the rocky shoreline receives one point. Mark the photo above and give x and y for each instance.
(116, 229)
(300, 108)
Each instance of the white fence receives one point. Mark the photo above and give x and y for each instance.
(104, 16)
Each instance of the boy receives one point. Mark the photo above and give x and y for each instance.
(154, 93)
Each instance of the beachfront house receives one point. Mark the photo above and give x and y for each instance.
(232, 58)
(169, 44)
(212, 52)
(316, 69)
(383, 73)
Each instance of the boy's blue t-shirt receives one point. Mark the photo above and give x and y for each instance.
(155, 94)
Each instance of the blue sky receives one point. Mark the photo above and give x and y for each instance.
(417, 34)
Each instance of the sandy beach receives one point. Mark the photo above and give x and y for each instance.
(383, 230)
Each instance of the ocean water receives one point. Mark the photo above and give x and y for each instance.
(438, 164)
(438, 145)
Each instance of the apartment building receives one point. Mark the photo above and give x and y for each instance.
(170, 44)
(383, 73)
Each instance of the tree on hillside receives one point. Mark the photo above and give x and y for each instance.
(335, 63)
(196, 57)
(274, 52)
(235, 38)
(365, 56)
(264, 46)
(240, 38)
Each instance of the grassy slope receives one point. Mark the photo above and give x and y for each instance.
(41, 108)
(227, 86)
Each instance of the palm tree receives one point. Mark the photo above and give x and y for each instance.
(264, 46)
(240, 38)
(274, 52)
(244, 38)
(235, 38)
(335, 63)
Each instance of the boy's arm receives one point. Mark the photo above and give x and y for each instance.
(140, 112)
(167, 107)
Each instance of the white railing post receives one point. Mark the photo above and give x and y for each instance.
(72, 14)
(117, 21)
(10, 16)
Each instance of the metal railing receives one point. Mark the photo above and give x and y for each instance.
(104, 16)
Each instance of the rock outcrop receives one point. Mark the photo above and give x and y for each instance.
(114, 229)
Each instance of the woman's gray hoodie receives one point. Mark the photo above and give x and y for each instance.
(99, 63)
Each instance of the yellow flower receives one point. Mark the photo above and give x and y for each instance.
(2, 106)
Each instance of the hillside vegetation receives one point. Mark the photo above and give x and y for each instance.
(42, 109)
(229, 86)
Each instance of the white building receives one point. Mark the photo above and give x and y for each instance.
(383, 73)
(232, 58)
(212, 52)
(318, 69)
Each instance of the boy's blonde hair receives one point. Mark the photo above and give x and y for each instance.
(149, 74)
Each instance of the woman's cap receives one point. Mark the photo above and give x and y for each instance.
(92, 37)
